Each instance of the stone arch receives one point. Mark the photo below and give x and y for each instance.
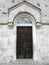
(24, 6)
(22, 14)
(30, 16)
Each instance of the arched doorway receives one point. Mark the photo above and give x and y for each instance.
(25, 35)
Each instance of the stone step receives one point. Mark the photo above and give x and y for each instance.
(34, 63)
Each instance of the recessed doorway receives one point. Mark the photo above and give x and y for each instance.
(25, 37)
(24, 46)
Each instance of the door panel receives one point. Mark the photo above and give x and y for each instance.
(24, 42)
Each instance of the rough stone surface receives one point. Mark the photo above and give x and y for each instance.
(8, 36)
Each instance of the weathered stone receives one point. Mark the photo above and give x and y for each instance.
(8, 36)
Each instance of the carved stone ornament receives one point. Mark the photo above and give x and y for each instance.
(10, 25)
(38, 25)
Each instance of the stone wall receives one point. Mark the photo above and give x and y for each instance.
(7, 36)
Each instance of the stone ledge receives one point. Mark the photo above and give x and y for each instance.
(33, 63)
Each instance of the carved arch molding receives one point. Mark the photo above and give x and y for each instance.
(32, 7)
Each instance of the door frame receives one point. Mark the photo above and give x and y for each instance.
(33, 35)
